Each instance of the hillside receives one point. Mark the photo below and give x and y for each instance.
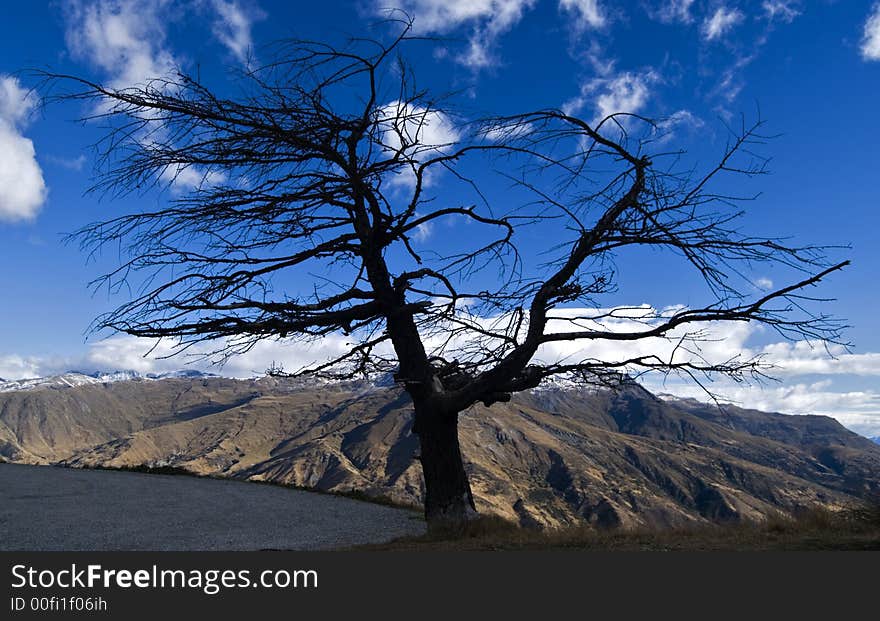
(551, 457)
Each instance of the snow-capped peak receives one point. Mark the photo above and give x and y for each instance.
(65, 380)
(77, 378)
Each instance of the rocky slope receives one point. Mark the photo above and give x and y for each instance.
(550, 457)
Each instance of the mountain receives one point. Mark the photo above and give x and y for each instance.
(78, 378)
(876, 439)
(552, 456)
(65, 380)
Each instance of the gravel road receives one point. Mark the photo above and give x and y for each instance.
(49, 508)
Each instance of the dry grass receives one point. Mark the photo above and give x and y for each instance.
(854, 529)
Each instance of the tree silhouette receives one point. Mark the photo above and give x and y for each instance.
(331, 165)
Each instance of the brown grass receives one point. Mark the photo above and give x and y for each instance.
(853, 529)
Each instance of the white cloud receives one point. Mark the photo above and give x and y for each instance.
(502, 132)
(587, 13)
(624, 92)
(672, 11)
(858, 410)
(785, 10)
(17, 104)
(810, 357)
(128, 353)
(764, 283)
(731, 82)
(488, 20)
(13, 367)
(667, 128)
(22, 187)
(187, 178)
(717, 342)
(125, 38)
(232, 27)
(423, 231)
(414, 131)
(149, 356)
(721, 22)
(714, 343)
(128, 38)
(434, 16)
(800, 364)
(70, 163)
(871, 35)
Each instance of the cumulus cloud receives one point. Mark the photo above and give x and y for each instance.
(232, 26)
(858, 410)
(623, 92)
(487, 20)
(811, 357)
(22, 187)
(128, 353)
(187, 178)
(706, 343)
(16, 103)
(713, 343)
(149, 356)
(807, 373)
(722, 21)
(871, 35)
(123, 352)
(414, 131)
(13, 367)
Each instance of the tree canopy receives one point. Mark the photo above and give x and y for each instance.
(332, 164)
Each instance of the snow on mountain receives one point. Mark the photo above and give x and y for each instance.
(65, 380)
(77, 378)
(116, 376)
(665, 396)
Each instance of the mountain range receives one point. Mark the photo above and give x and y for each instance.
(77, 378)
(552, 456)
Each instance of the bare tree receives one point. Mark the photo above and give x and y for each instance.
(332, 162)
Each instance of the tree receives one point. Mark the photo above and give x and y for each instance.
(333, 162)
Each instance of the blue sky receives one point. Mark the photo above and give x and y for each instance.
(811, 68)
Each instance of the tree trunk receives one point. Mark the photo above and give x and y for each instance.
(449, 502)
